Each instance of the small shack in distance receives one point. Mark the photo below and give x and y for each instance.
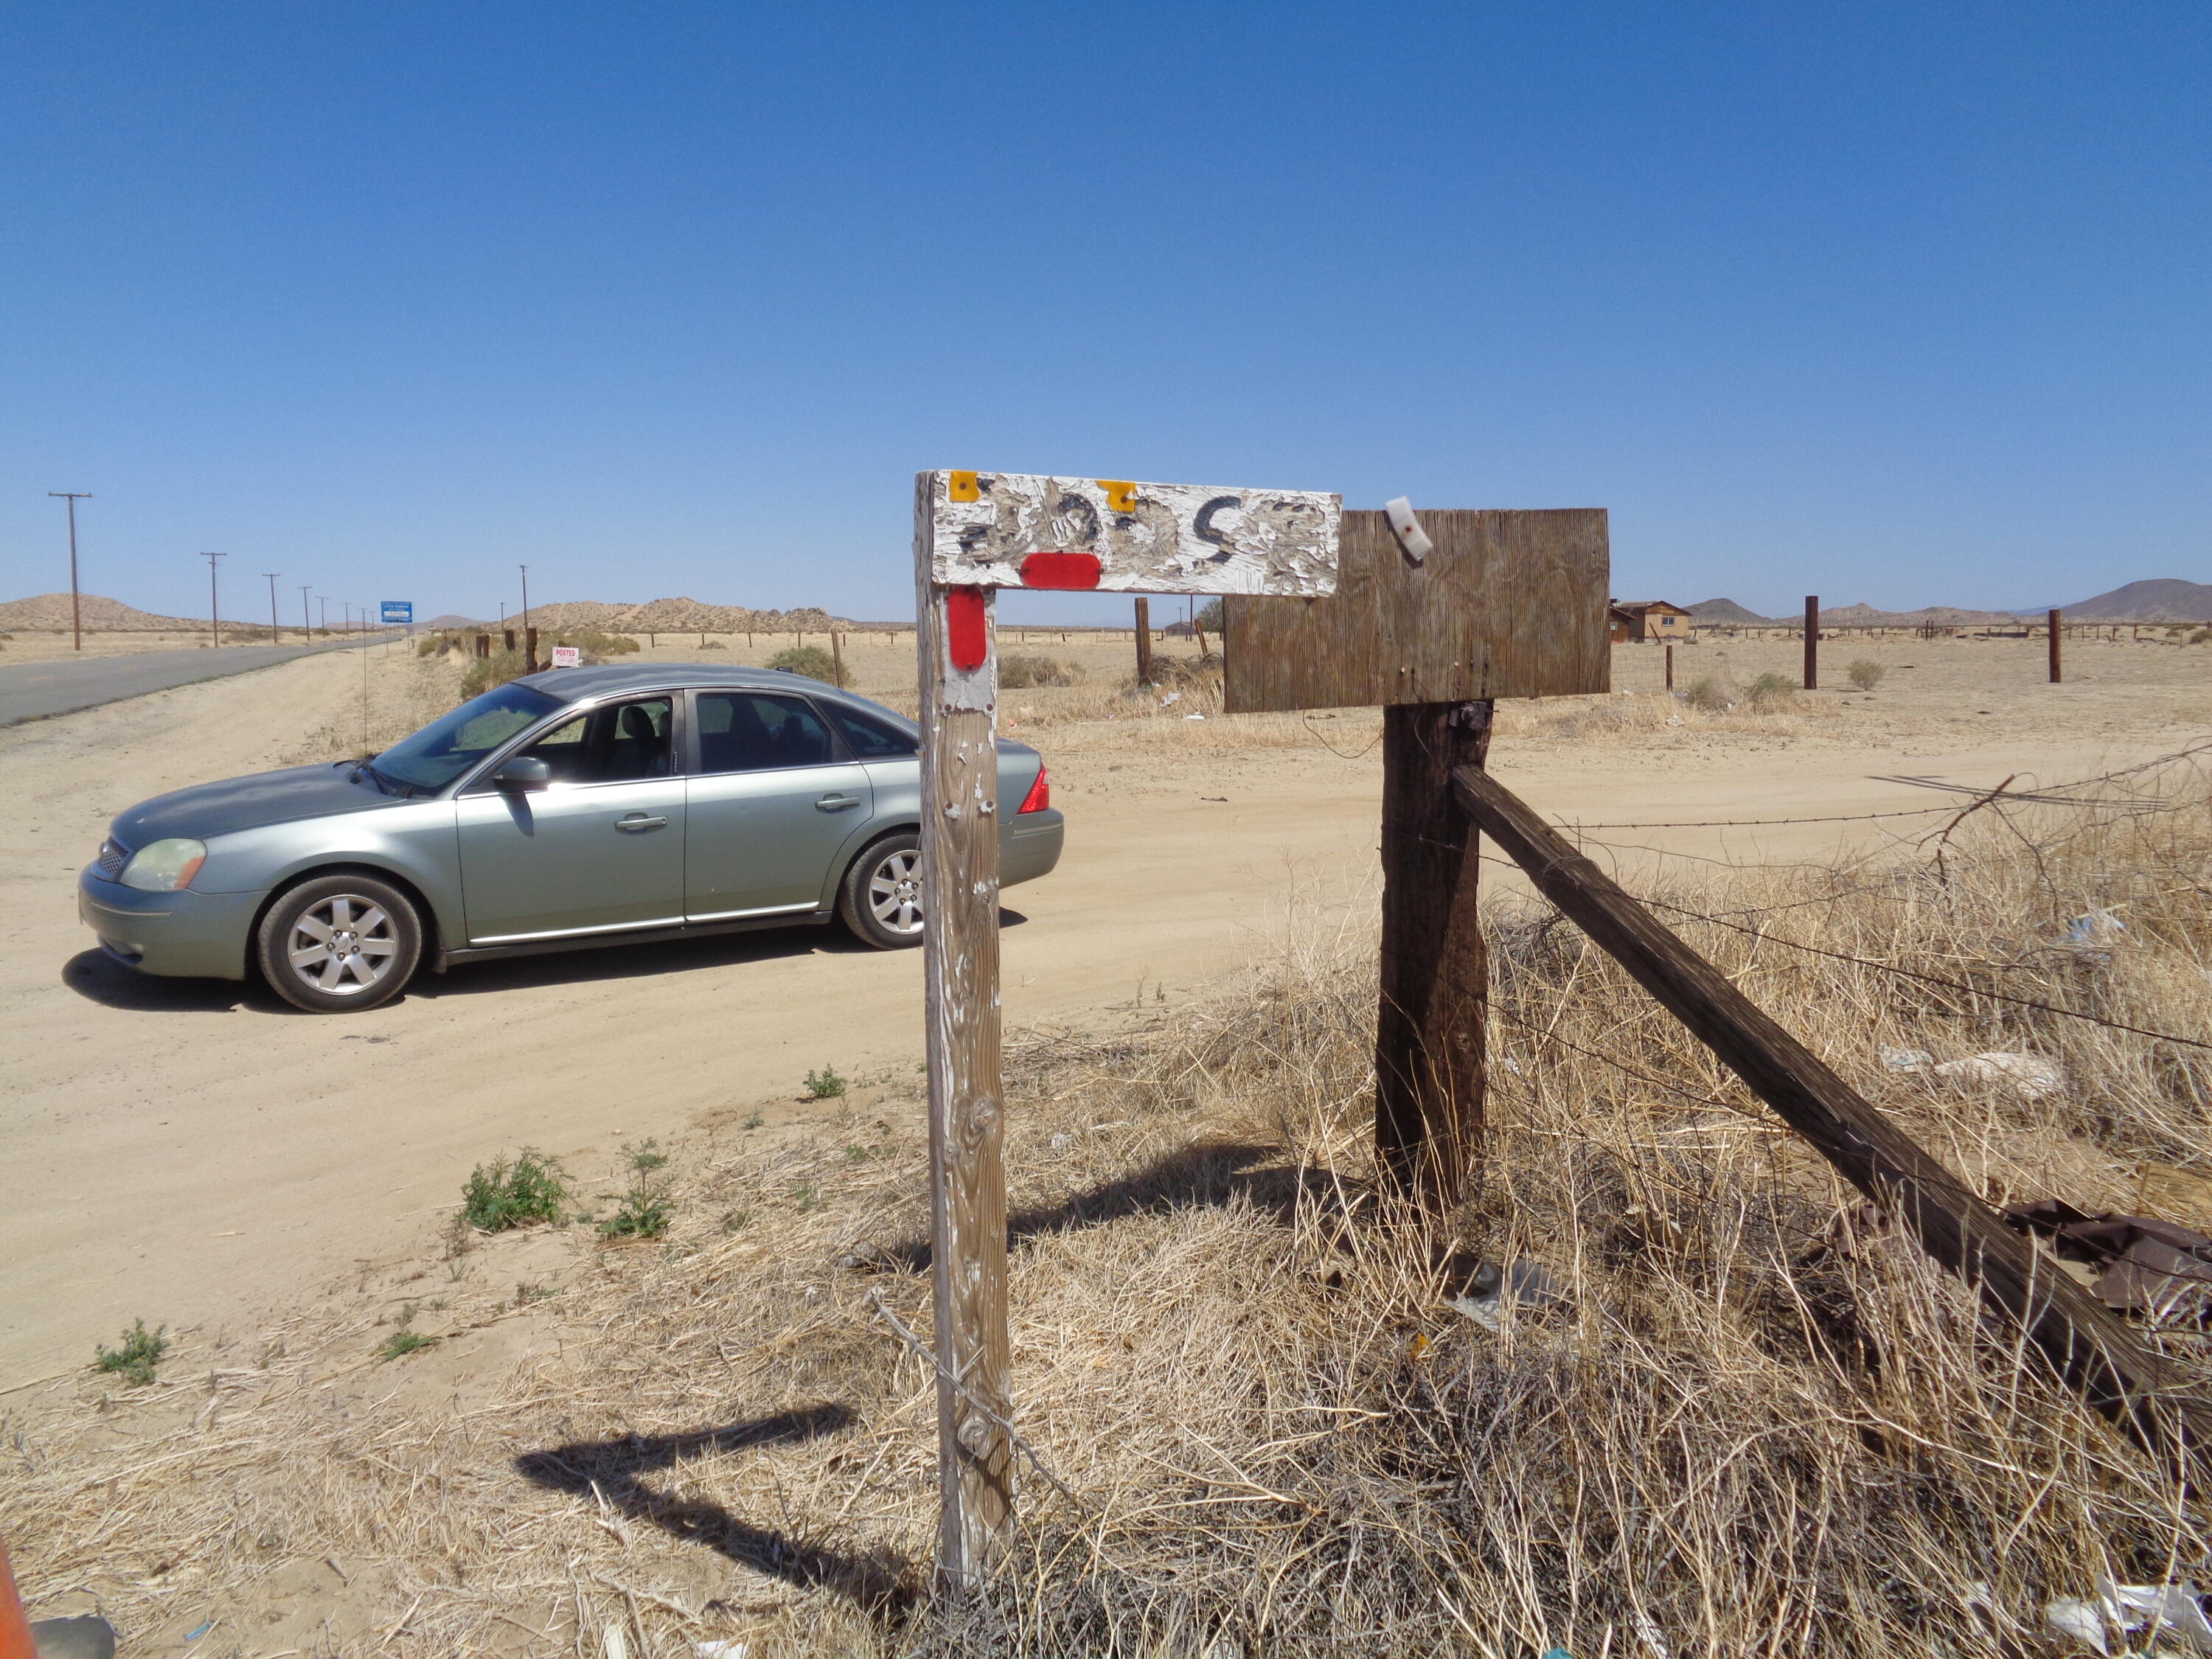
(1639, 621)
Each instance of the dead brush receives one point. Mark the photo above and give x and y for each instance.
(1754, 1420)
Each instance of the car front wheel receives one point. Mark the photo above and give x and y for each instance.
(336, 944)
(882, 899)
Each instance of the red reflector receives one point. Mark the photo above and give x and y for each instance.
(1059, 570)
(1040, 794)
(966, 638)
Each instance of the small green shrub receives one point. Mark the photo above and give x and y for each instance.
(826, 1084)
(643, 1212)
(515, 1194)
(1769, 692)
(2201, 637)
(1020, 673)
(754, 1121)
(402, 1342)
(136, 1359)
(810, 660)
(1865, 674)
(1708, 693)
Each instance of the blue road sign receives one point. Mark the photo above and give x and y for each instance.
(399, 610)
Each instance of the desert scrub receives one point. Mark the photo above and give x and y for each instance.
(1020, 673)
(643, 1212)
(826, 1084)
(139, 1354)
(1768, 693)
(503, 1195)
(810, 660)
(1865, 674)
(1708, 695)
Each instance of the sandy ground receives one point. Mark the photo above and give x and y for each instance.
(196, 1154)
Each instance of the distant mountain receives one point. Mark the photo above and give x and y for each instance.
(1727, 613)
(2165, 598)
(52, 611)
(449, 620)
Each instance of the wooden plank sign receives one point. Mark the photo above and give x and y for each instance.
(975, 532)
(1505, 604)
(1012, 530)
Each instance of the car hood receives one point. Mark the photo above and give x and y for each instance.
(208, 810)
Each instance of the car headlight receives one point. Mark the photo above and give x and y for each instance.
(163, 867)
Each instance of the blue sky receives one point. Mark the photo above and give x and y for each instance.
(1908, 303)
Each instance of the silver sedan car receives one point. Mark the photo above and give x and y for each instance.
(576, 807)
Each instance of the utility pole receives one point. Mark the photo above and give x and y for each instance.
(325, 606)
(307, 617)
(525, 594)
(215, 614)
(272, 575)
(77, 622)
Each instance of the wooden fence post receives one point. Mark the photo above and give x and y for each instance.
(1812, 642)
(1435, 973)
(837, 655)
(1670, 666)
(1144, 641)
(960, 965)
(2088, 1344)
(509, 634)
(483, 646)
(2054, 647)
(529, 650)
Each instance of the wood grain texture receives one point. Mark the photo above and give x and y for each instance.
(1146, 538)
(2087, 1343)
(1144, 632)
(967, 1170)
(1433, 1010)
(1812, 642)
(1508, 604)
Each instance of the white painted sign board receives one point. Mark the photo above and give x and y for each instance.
(568, 656)
(1115, 536)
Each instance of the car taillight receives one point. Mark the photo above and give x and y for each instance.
(1040, 794)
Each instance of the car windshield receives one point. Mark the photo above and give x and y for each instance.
(447, 747)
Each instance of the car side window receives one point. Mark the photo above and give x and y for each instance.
(753, 732)
(622, 743)
(870, 738)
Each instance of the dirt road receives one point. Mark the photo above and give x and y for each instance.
(194, 1152)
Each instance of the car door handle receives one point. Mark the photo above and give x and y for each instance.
(835, 802)
(636, 821)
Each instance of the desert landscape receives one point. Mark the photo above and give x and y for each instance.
(371, 1424)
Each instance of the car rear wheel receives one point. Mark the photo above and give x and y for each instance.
(881, 899)
(337, 944)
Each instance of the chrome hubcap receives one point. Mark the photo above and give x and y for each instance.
(894, 892)
(342, 945)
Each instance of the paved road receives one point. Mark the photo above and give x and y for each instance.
(36, 690)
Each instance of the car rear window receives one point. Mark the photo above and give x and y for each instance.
(871, 738)
(752, 732)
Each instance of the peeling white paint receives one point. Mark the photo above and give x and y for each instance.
(1147, 537)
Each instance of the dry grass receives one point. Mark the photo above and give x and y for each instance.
(1757, 1422)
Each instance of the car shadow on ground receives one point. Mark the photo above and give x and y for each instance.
(612, 1471)
(97, 977)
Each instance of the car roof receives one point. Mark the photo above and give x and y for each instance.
(615, 679)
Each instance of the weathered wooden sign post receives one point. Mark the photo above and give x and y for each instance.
(976, 533)
(1435, 625)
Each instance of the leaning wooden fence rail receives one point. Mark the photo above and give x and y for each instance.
(2089, 1345)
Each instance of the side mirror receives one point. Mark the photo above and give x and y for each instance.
(523, 772)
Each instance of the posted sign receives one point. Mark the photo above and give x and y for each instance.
(568, 656)
(399, 610)
(1109, 535)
